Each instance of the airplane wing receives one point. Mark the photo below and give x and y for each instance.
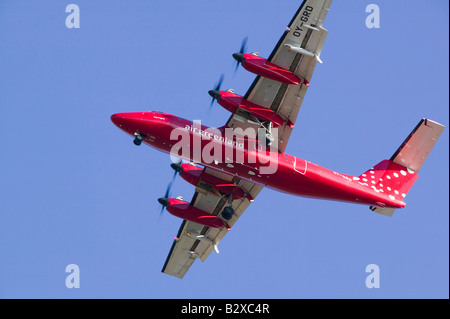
(305, 31)
(186, 248)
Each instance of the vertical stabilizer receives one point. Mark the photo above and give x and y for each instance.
(418, 145)
(395, 177)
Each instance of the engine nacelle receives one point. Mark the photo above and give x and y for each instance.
(185, 211)
(193, 175)
(266, 69)
(232, 102)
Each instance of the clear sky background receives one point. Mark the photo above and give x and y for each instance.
(74, 189)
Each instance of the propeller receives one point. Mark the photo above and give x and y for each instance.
(239, 57)
(215, 92)
(164, 201)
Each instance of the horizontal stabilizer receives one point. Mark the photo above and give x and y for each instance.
(383, 211)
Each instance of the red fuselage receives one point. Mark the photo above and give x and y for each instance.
(241, 157)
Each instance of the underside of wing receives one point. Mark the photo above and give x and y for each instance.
(197, 241)
(298, 51)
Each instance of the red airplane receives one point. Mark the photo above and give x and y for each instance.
(248, 153)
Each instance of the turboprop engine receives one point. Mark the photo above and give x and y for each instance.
(262, 67)
(231, 102)
(193, 175)
(185, 211)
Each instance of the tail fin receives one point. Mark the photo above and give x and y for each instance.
(395, 176)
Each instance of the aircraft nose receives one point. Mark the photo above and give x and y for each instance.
(118, 119)
(129, 120)
(146, 123)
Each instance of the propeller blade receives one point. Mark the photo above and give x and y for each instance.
(219, 84)
(215, 92)
(163, 200)
(240, 56)
(166, 195)
(244, 45)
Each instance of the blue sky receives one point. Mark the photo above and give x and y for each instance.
(75, 190)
